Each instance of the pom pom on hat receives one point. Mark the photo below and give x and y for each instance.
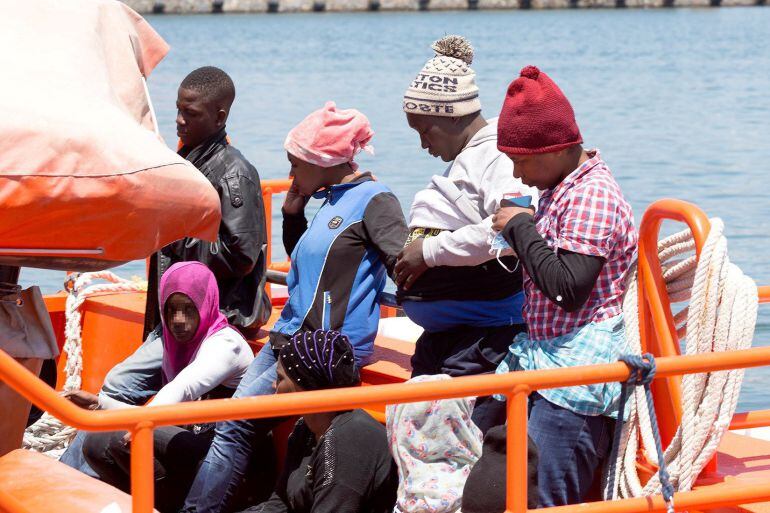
(454, 46)
(536, 116)
(531, 72)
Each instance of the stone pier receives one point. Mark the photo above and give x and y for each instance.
(278, 6)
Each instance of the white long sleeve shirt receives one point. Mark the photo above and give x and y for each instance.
(485, 176)
(222, 359)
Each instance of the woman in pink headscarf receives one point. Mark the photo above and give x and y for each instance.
(339, 264)
(203, 357)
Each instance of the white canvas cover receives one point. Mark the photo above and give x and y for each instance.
(85, 181)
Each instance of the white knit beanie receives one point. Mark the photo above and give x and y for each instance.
(446, 86)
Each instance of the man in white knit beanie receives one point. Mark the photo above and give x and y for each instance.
(449, 281)
(446, 86)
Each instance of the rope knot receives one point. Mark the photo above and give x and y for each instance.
(642, 372)
(642, 368)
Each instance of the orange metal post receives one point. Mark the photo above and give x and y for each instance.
(284, 267)
(516, 459)
(267, 201)
(764, 294)
(270, 187)
(656, 323)
(142, 468)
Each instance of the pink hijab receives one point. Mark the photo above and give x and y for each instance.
(329, 137)
(197, 282)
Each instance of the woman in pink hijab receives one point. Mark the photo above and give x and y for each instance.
(203, 357)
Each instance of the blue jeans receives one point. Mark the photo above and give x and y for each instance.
(572, 448)
(225, 464)
(134, 381)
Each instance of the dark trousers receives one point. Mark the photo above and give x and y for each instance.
(467, 351)
(177, 452)
(572, 448)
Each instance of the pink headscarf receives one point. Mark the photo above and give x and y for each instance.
(197, 282)
(329, 137)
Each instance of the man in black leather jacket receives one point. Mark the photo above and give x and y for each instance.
(237, 258)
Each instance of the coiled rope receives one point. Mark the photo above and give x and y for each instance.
(721, 316)
(49, 435)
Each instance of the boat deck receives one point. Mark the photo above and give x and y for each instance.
(112, 328)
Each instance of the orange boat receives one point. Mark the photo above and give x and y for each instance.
(737, 478)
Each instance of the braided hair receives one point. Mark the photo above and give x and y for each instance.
(320, 359)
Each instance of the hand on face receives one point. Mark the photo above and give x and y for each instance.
(503, 215)
(82, 398)
(307, 178)
(294, 203)
(410, 264)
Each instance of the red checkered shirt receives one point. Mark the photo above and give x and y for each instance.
(587, 214)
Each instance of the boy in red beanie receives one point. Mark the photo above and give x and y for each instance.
(576, 250)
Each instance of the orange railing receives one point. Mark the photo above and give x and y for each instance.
(656, 323)
(658, 337)
(516, 386)
(270, 187)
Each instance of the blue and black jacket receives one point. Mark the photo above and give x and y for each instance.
(339, 263)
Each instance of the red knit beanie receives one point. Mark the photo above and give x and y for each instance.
(536, 116)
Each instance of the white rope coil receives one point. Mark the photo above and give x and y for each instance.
(721, 316)
(49, 435)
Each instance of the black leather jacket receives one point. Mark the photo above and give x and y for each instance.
(237, 259)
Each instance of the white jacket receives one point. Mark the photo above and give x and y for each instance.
(222, 359)
(484, 175)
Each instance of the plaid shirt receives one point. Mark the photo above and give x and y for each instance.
(587, 214)
(596, 342)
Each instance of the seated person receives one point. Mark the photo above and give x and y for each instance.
(202, 356)
(485, 487)
(343, 256)
(435, 445)
(337, 462)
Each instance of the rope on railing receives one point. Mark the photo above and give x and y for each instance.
(720, 316)
(642, 373)
(49, 435)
